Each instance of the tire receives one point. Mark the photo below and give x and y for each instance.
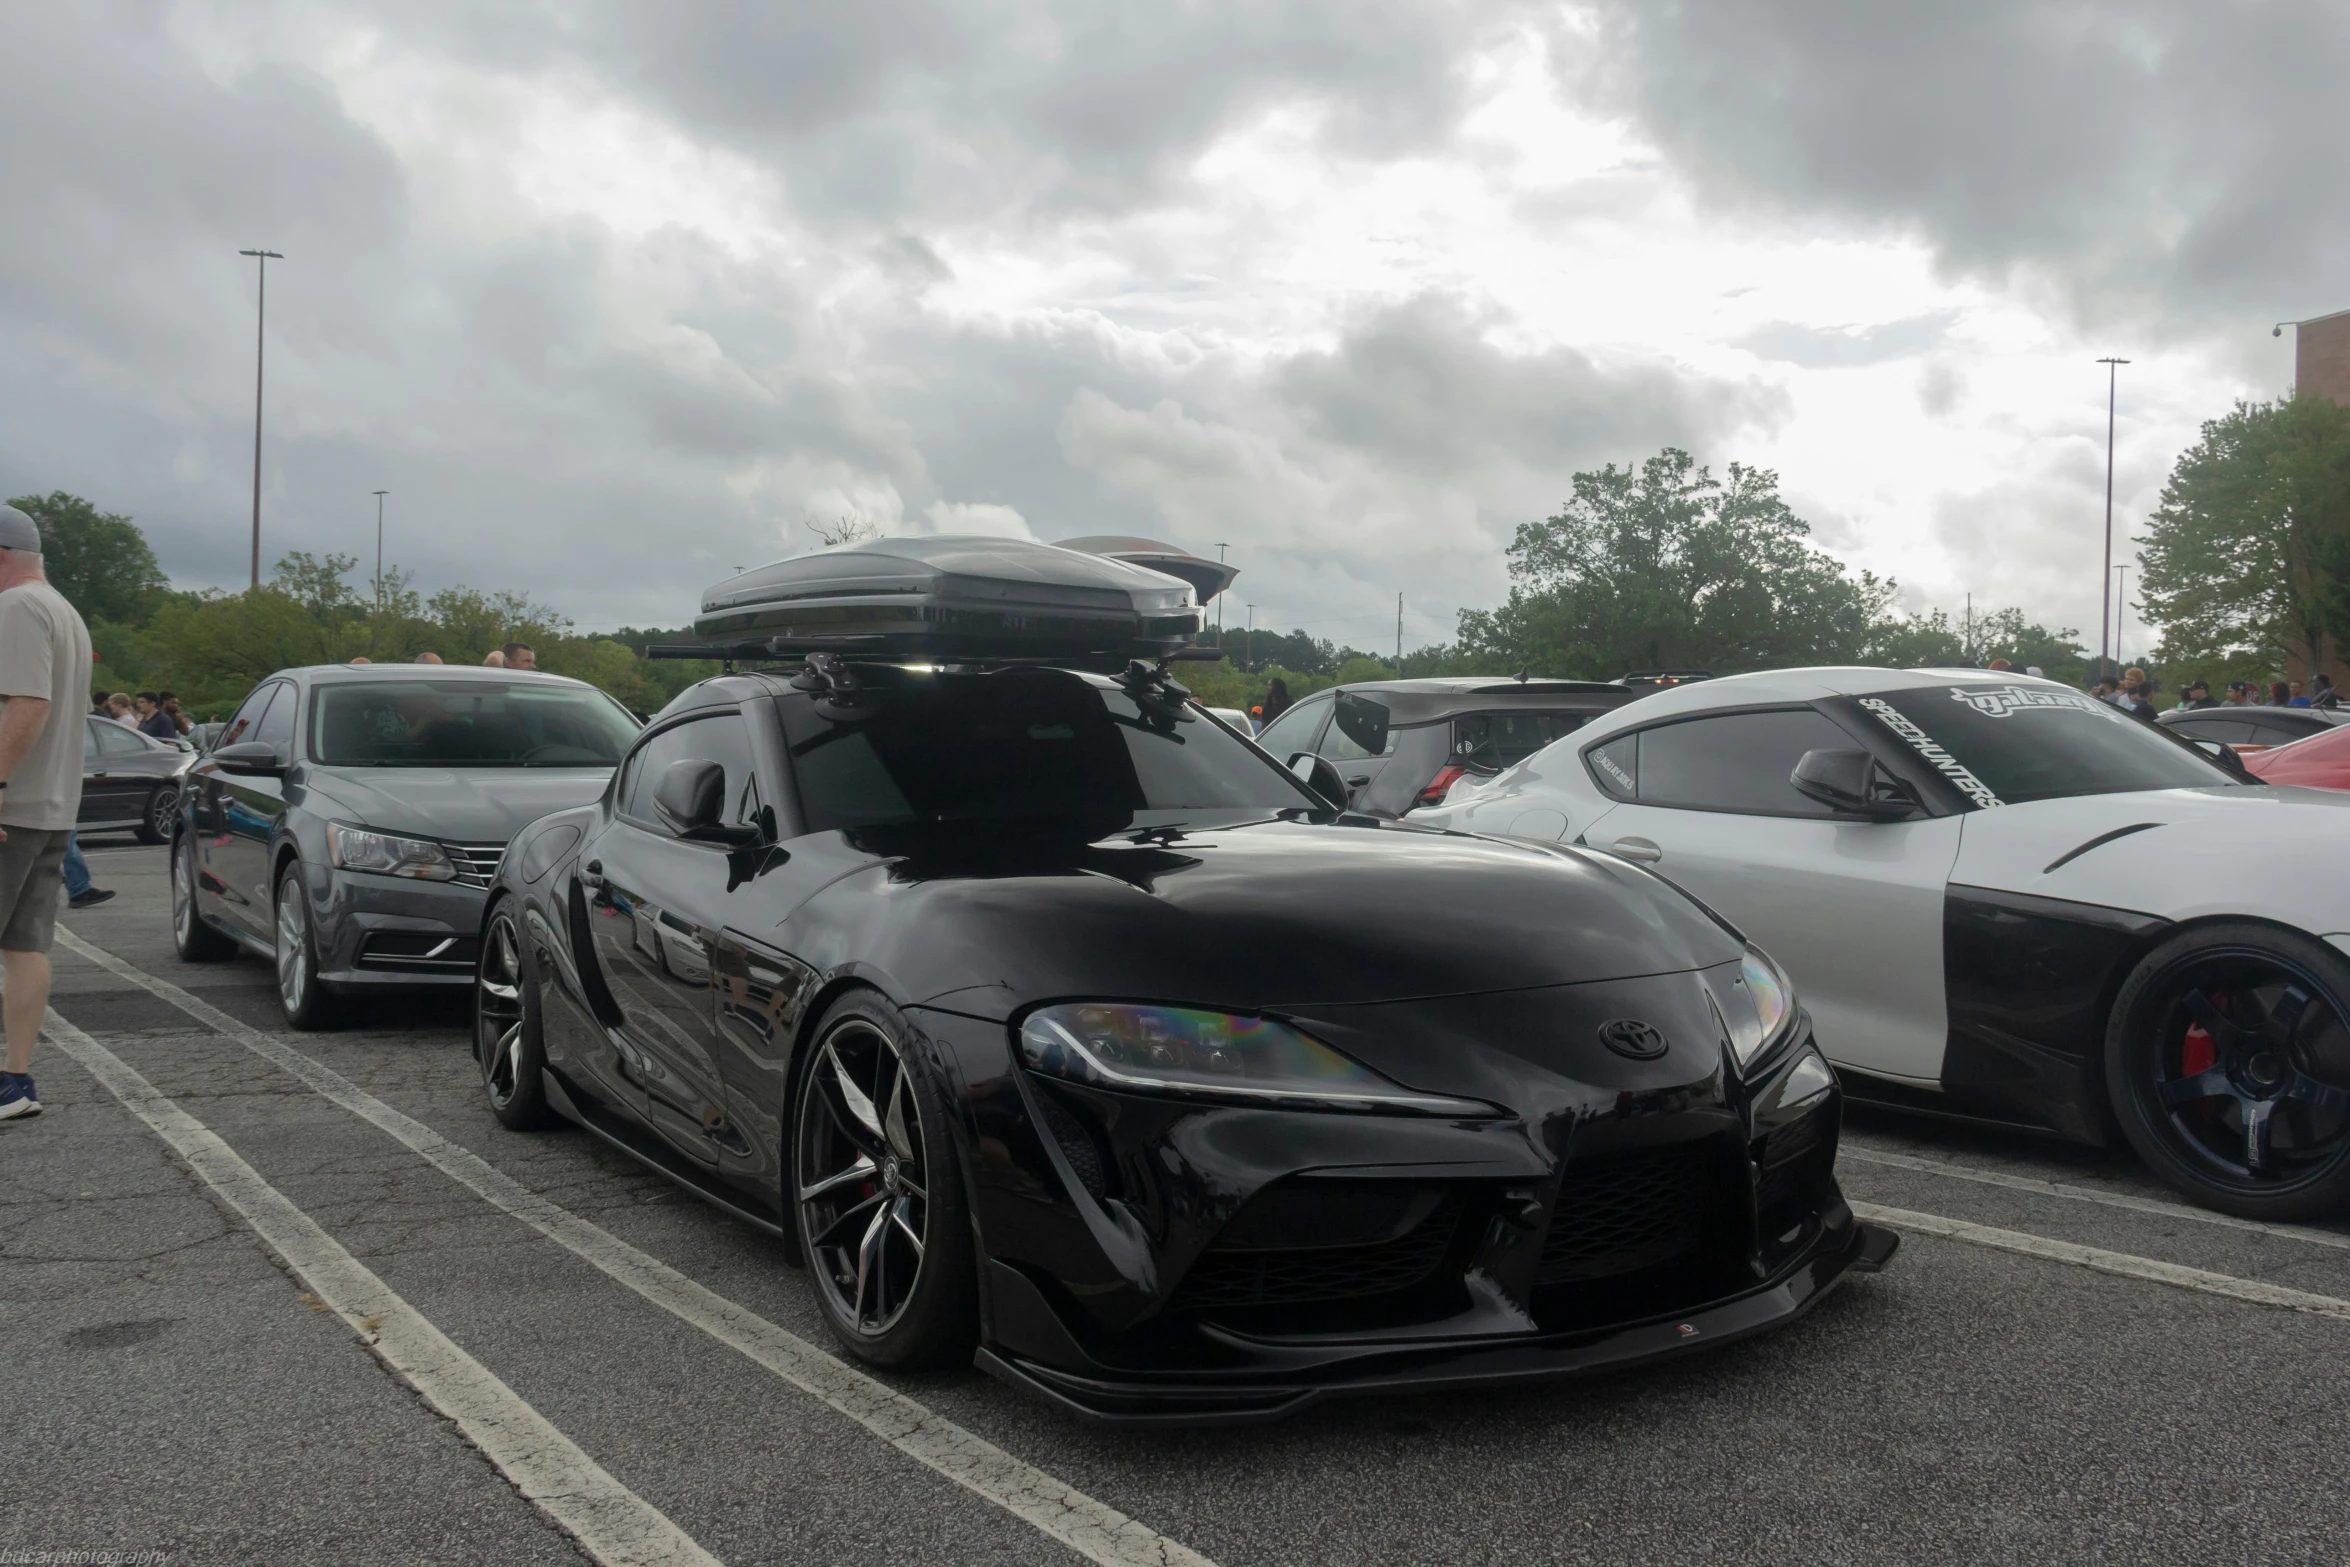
(506, 1039)
(195, 941)
(163, 809)
(2228, 1061)
(876, 1189)
(304, 997)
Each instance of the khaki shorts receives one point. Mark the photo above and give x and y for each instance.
(32, 879)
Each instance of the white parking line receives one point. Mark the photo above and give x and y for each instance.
(614, 1524)
(2122, 1264)
(1094, 1530)
(2040, 1188)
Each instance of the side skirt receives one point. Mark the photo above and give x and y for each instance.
(574, 1110)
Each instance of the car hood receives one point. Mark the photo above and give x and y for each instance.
(462, 805)
(1266, 916)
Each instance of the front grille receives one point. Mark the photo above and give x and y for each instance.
(1627, 1215)
(1230, 1279)
(476, 862)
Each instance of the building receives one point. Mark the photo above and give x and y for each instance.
(2321, 356)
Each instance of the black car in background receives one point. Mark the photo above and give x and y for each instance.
(2251, 725)
(1402, 744)
(347, 820)
(1048, 1020)
(129, 780)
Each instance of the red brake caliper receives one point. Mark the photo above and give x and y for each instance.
(2196, 1051)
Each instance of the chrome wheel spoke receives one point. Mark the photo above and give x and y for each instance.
(847, 1219)
(898, 1216)
(894, 1122)
(862, 1170)
(872, 1263)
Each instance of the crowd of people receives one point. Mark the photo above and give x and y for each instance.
(155, 713)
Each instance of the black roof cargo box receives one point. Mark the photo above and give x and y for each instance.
(952, 598)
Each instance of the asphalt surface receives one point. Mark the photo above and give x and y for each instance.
(171, 1388)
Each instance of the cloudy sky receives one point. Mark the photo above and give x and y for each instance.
(614, 297)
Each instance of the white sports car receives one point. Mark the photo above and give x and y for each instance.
(2003, 900)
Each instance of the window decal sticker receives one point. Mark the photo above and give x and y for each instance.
(2001, 701)
(1942, 761)
(1607, 765)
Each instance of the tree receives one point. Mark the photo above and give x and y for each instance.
(2247, 557)
(1664, 566)
(99, 560)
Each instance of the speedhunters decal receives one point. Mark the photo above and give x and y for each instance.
(2003, 700)
(1928, 747)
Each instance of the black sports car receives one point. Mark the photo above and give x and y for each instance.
(1047, 1019)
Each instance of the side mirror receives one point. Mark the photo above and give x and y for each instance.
(1846, 780)
(692, 802)
(255, 758)
(1321, 775)
(691, 799)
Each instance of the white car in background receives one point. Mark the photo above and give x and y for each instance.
(2001, 900)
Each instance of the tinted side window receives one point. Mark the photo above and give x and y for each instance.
(2267, 731)
(1295, 730)
(2228, 731)
(1735, 761)
(277, 722)
(90, 736)
(722, 738)
(115, 740)
(1616, 766)
(1499, 740)
(247, 717)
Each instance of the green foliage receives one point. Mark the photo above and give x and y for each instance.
(2247, 558)
(99, 560)
(1664, 566)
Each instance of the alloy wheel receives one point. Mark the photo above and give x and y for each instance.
(863, 1178)
(497, 1013)
(293, 948)
(2251, 1068)
(163, 811)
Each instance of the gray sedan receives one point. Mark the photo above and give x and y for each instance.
(348, 819)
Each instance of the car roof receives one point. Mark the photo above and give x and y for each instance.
(1767, 686)
(1438, 697)
(356, 674)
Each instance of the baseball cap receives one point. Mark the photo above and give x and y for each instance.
(18, 531)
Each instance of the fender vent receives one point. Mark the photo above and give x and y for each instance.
(1077, 1145)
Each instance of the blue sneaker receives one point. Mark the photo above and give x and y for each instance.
(17, 1096)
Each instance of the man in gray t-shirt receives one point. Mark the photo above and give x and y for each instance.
(44, 671)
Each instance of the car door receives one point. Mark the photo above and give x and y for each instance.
(101, 789)
(655, 904)
(234, 858)
(1853, 910)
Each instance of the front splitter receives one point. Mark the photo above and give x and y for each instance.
(1517, 1362)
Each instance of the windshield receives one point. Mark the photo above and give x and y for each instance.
(2004, 745)
(466, 723)
(1039, 747)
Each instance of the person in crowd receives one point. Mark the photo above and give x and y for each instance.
(2000, 666)
(79, 893)
(180, 722)
(519, 656)
(2197, 695)
(428, 656)
(2279, 694)
(118, 708)
(2132, 697)
(2237, 695)
(98, 705)
(2102, 688)
(44, 658)
(153, 720)
(2298, 698)
(1276, 700)
(494, 659)
(1256, 719)
(2322, 692)
(362, 659)
(2034, 671)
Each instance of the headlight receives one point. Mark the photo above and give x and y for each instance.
(1760, 1008)
(1178, 1050)
(360, 849)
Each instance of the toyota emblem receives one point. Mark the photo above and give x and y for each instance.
(1630, 1037)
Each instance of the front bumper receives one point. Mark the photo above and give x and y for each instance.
(1175, 1399)
(1151, 1260)
(391, 931)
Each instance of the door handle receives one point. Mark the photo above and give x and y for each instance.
(1638, 850)
(1358, 780)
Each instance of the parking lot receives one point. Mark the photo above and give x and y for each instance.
(2061, 1364)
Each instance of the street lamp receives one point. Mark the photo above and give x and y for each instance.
(2121, 608)
(261, 261)
(2105, 610)
(1220, 549)
(379, 548)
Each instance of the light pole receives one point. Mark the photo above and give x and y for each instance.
(261, 261)
(2121, 609)
(1248, 641)
(1399, 633)
(1220, 549)
(379, 548)
(2105, 610)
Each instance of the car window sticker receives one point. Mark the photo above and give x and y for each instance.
(2002, 701)
(1928, 747)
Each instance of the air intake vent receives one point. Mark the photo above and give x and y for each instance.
(1228, 1280)
(1077, 1145)
(1629, 1214)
